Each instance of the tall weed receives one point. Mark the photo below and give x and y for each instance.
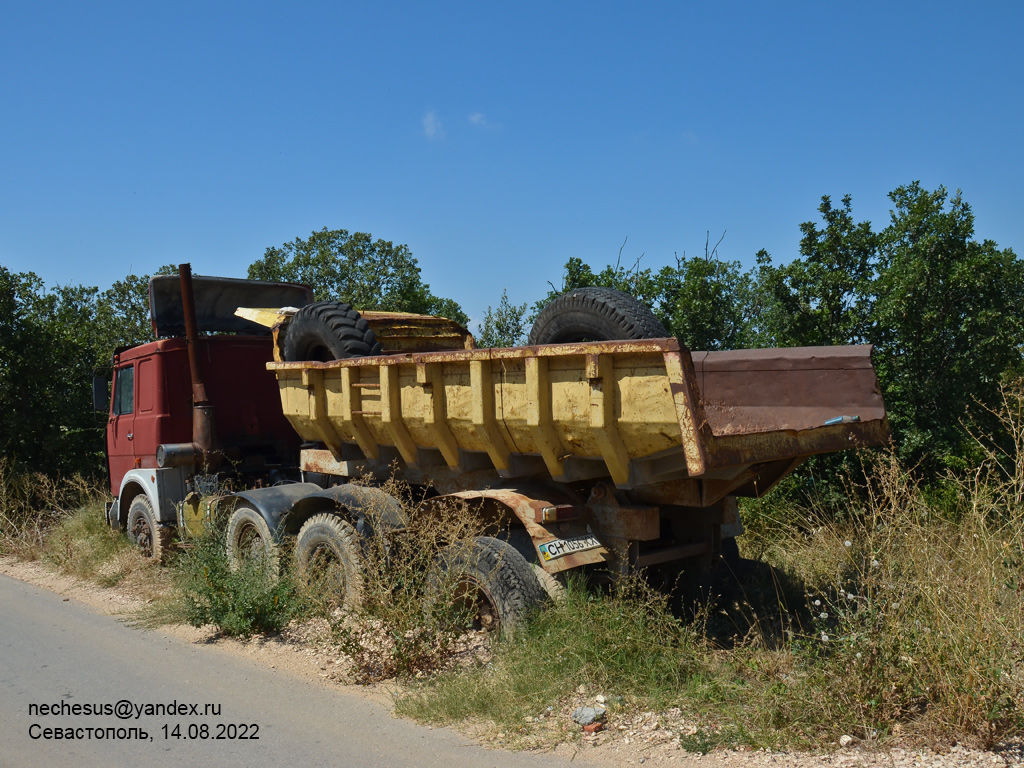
(407, 620)
(32, 503)
(239, 601)
(916, 619)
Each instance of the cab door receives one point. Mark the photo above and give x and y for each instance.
(121, 426)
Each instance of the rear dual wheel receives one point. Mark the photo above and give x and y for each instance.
(489, 585)
(327, 558)
(250, 541)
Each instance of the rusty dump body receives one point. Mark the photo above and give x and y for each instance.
(646, 425)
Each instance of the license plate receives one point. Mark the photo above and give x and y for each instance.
(562, 547)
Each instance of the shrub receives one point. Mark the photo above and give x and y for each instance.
(239, 602)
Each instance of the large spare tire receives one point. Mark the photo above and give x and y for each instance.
(328, 330)
(595, 314)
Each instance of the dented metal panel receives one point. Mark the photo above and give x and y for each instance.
(525, 509)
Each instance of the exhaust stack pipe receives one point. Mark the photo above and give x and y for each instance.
(203, 450)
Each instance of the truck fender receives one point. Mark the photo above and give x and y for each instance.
(273, 503)
(370, 510)
(501, 507)
(286, 507)
(165, 488)
(117, 514)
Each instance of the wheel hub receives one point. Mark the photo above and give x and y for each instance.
(143, 536)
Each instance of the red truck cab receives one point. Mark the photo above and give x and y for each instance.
(152, 398)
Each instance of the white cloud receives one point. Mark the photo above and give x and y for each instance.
(480, 119)
(432, 128)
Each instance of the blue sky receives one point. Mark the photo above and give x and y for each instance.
(496, 140)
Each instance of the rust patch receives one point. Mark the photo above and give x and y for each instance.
(526, 510)
(399, 332)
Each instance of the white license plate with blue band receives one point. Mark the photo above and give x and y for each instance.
(562, 547)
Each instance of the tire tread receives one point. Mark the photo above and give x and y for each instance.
(604, 311)
(331, 324)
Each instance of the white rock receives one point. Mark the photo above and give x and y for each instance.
(845, 741)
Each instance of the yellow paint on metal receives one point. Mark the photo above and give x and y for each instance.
(484, 416)
(680, 385)
(313, 381)
(403, 332)
(435, 419)
(391, 413)
(601, 375)
(538, 415)
(635, 410)
(352, 413)
(266, 316)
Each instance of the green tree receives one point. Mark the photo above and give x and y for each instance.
(947, 319)
(353, 267)
(504, 326)
(51, 343)
(122, 317)
(46, 363)
(825, 296)
(705, 302)
(635, 281)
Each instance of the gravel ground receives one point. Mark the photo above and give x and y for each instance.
(619, 753)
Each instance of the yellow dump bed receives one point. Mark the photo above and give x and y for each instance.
(648, 414)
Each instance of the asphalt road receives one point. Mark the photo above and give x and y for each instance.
(60, 654)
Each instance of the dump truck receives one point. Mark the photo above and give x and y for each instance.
(593, 454)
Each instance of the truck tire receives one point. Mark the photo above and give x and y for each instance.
(249, 539)
(328, 330)
(489, 583)
(152, 538)
(327, 560)
(552, 584)
(595, 314)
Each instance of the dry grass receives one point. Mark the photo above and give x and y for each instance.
(32, 504)
(904, 619)
(406, 622)
(913, 621)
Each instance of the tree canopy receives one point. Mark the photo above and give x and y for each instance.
(942, 309)
(353, 267)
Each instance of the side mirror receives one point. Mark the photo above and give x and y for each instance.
(100, 394)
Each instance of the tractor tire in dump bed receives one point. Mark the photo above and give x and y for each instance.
(328, 330)
(595, 314)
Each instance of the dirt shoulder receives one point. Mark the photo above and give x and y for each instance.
(305, 651)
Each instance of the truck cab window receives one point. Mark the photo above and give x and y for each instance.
(124, 391)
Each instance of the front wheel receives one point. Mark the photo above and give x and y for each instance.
(152, 538)
(488, 583)
(327, 560)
